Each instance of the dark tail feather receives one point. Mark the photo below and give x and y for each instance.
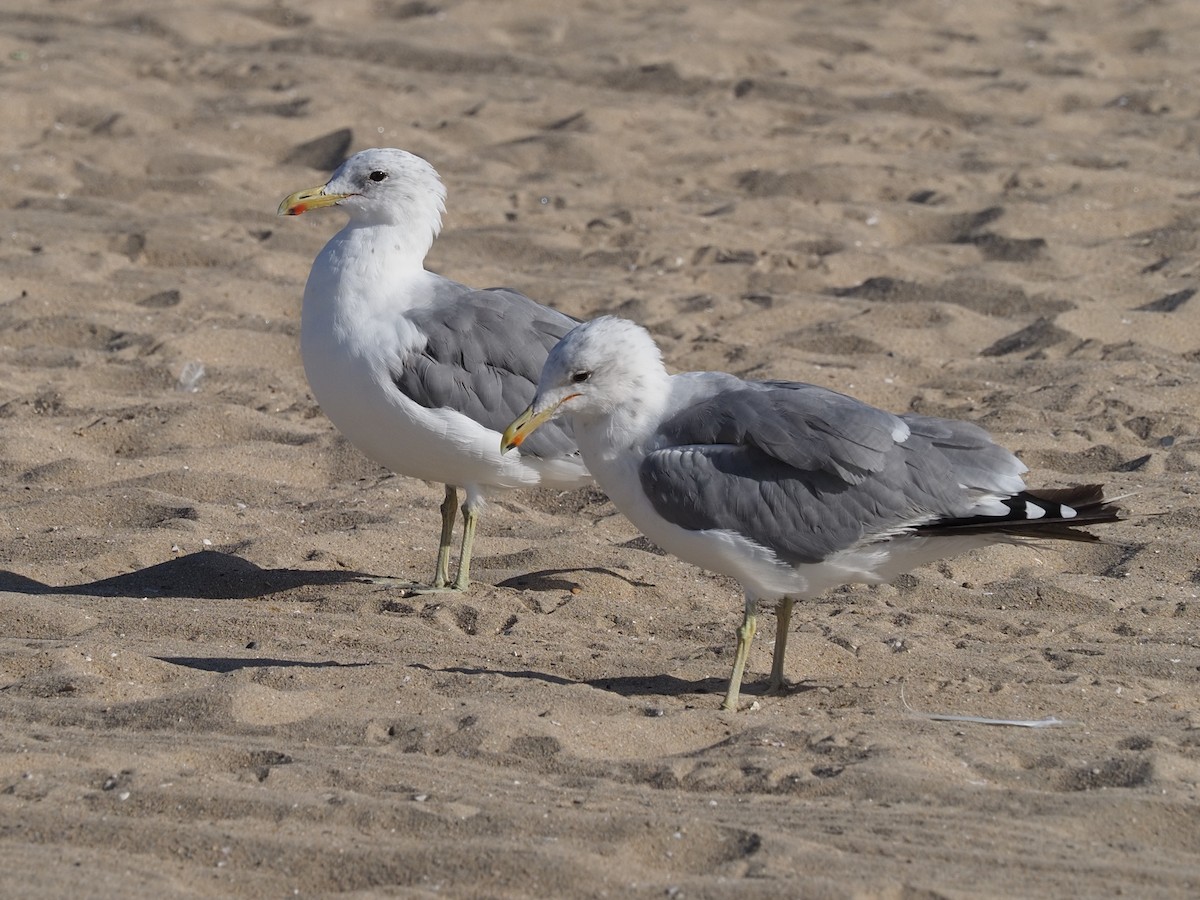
(1057, 513)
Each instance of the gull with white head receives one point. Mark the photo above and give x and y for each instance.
(419, 372)
(789, 488)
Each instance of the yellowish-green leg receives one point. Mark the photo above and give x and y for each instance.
(441, 575)
(783, 617)
(470, 520)
(745, 634)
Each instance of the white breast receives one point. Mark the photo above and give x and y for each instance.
(350, 338)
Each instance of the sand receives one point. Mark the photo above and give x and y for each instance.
(976, 209)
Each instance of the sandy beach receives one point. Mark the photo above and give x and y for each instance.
(987, 211)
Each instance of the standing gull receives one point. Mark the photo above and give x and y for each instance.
(790, 488)
(420, 372)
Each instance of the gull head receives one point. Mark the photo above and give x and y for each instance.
(382, 186)
(603, 368)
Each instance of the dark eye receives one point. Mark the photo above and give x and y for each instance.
(581, 376)
(378, 176)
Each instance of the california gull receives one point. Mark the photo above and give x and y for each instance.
(419, 372)
(789, 488)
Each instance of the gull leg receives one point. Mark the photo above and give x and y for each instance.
(470, 520)
(441, 575)
(783, 618)
(745, 634)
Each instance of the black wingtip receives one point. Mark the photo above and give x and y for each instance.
(1048, 513)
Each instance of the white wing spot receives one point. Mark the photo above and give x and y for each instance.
(990, 506)
(1032, 511)
(1067, 512)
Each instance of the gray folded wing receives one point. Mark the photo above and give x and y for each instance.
(482, 354)
(803, 425)
(806, 471)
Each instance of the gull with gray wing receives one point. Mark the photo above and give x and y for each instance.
(419, 372)
(789, 488)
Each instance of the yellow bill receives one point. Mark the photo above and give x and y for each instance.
(527, 423)
(309, 198)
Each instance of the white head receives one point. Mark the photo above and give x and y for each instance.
(379, 187)
(604, 368)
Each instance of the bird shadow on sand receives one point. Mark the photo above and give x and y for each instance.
(631, 686)
(224, 664)
(207, 575)
(553, 580)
